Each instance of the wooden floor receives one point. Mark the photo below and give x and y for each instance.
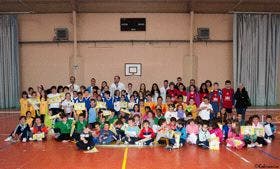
(54, 155)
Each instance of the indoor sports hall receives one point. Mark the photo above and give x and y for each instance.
(139, 84)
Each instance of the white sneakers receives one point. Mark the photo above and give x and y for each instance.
(10, 138)
(251, 145)
(267, 140)
(24, 140)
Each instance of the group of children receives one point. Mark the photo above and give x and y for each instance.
(94, 117)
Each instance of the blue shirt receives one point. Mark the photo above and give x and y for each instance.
(87, 102)
(109, 103)
(92, 115)
(183, 132)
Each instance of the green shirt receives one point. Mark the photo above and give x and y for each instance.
(112, 119)
(156, 119)
(80, 126)
(65, 128)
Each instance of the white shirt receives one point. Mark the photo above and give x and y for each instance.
(76, 87)
(155, 97)
(163, 93)
(120, 86)
(168, 115)
(204, 112)
(53, 105)
(67, 105)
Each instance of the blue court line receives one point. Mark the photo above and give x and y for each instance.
(269, 155)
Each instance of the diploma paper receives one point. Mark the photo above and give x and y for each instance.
(79, 106)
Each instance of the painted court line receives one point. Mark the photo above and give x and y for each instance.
(242, 158)
(124, 158)
(269, 155)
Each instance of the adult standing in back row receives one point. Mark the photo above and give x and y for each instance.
(117, 85)
(242, 100)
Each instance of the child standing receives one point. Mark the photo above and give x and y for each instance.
(228, 97)
(44, 107)
(215, 99)
(24, 107)
(92, 114)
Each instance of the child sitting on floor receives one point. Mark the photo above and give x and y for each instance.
(22, 131)
(146, 134)
(180, 135)
(131, 132)
(270, 129)
(106, 136)
(86, 142)
(192, 131)
(172, 124)
(39, 130)
(203, 136)
(119, 131)
(235, 138)
(96, 132)
(164, 131)
(62, 128)
(215, 129)
(79, 126)
(257, 139)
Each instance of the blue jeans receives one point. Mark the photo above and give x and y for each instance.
(241, 111)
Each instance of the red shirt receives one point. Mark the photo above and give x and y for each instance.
(183, 93)
(215, 97)
(202, 95)
(173, 93)
(145, 132)
(227, 96)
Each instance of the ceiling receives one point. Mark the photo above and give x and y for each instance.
(139, 6)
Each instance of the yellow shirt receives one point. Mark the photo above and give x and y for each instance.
(23, 106)
(29, 121)
(43, 107)
(193, 109)
(32, 110)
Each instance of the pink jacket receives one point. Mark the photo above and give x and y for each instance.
(218, 132)
(192, 129)
(235, 136)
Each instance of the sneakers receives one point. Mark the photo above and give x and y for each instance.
(176, 145)
(259, 145)
(267, 140)
(93, 150)
(10, 138)
(228, 145)
(24, 140)
(251, 145)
